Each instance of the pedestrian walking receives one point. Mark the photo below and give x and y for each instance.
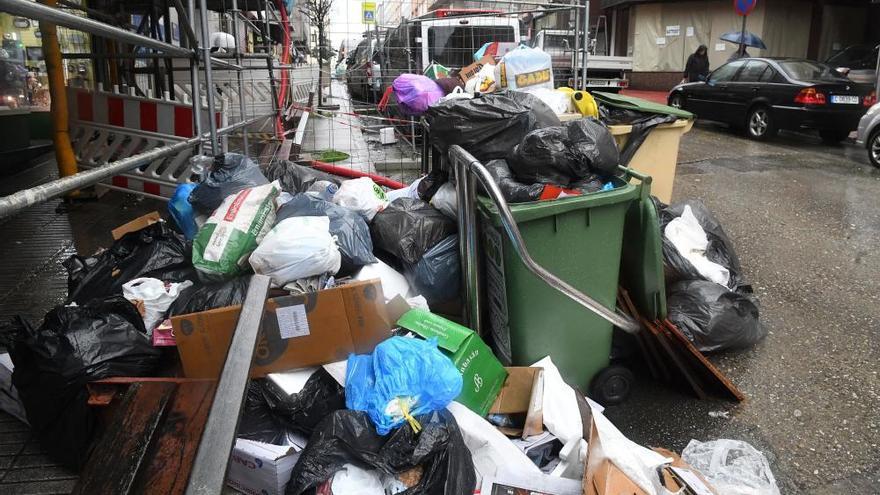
(697, 66)
(738, 54)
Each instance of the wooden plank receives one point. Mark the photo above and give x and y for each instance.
(712, 374)
(174, 450)
(118, 456)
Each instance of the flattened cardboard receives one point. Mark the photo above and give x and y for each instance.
(470, 71)
(482, 373)
(522, 393)
(338, 321)
(136, 224)
(601, 476)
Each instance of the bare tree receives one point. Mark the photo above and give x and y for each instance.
(318, 14)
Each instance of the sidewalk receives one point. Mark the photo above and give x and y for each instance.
(655, 96)
(341, 132)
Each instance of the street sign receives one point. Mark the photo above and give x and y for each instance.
(369, 12)
(744, 7)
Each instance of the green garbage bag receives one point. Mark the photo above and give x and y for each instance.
(223, 245)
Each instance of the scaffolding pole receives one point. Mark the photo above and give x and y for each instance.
(209, 78)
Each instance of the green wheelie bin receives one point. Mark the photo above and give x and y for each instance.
(580, 240)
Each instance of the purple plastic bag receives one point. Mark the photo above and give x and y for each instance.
(415, 93)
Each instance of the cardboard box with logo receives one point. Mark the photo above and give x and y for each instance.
(258, 468)
(482, 373)
(297, 331)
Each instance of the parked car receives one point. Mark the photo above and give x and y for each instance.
(362, 72)
(767, 94)
(869, 134)
(857, 62)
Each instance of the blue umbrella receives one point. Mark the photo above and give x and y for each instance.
(750, 39)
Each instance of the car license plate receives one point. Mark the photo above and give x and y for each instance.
(598, 82)
(848, 100)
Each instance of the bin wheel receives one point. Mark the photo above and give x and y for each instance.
(612, 385)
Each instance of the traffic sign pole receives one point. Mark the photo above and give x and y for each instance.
(743, 8)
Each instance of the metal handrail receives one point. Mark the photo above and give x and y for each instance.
(468, 169)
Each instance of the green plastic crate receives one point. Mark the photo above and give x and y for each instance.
(578, 239)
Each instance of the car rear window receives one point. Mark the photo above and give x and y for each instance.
(454, 46)
(805, 70)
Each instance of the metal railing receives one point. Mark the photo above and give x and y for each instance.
(468, 171)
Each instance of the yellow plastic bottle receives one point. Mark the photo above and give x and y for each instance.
(585, 103)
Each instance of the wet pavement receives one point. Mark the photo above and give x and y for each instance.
(805, 220)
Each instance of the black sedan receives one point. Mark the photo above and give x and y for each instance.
(767, 94)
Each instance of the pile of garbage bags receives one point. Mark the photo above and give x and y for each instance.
(707, 296)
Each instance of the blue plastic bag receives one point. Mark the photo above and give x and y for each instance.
(182, 212)
(404, 377)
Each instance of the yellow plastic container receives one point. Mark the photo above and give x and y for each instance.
(585, 103)
(658, 154)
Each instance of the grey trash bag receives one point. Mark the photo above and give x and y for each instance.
(437, 276)
(489, 126)
(296, 178)
(407, 228)
(230, 174)
(347, 226)
(713, 317)
(513, 191)
(565, 154)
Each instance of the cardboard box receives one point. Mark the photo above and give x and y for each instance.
(470, 71)
(258, 468)
(297, 331)
(522, 393)
(136, 224)
(601, 476)
(482, 373)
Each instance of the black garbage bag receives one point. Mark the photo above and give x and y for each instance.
(407, 228)
(713, 317)
(296, 178)
(350, 436)
(73, 346)
(231, 173)
(513, 191)
(437, 276)
(642, 123)
(202, 297)
(270, 414)
(155, 251)
(720, 249)
(564, 154)
(348, 227)
(489, 126)
(429, 185)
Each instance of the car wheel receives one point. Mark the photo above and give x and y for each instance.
(759, 124)
(874, 148)
(832, 136)
(676, 100)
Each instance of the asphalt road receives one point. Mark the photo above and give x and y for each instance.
(805, 219)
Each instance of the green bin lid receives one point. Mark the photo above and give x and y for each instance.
(639, 104)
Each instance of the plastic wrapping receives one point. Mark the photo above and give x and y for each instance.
(361, 195)
(231, 173)
(565, 154)
(415, 93)
(202, 297)
(296, 178)
(156, 251)
(719, 250)
(713, 317)
(408, 228)
(348, 227)
(296, 248)
(73, 346)
(403, 377)
(525, 67)
(233, 231)
(446, 200)
(350, 437)
(732, 467)
(513, 191)
(437, 276)
(182, 211)
(270, 413)
(156, 296)
(490, 126)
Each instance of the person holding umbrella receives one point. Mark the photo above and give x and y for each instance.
(739, 53)
(697, 66)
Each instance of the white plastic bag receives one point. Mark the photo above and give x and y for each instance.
(362, 195)
(732, 467)
(157, 297)
(525, 67)
(558, 101)
(410, 191)
(561, 414)
(354, 480)
(689, 238)
(482, 82)
(457, 92)
(446, 200)
(393, 283)
(296, 248)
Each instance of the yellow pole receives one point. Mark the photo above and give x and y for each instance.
(60, 127)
